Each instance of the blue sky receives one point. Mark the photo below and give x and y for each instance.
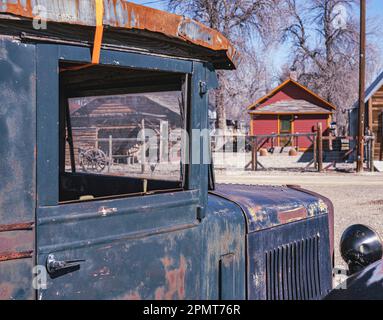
(279, 55)
(375, 6)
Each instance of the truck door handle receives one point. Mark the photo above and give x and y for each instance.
(56, 266)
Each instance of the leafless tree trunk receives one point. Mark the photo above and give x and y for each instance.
(220, 104)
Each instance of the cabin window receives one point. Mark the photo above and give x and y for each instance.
(121, 132)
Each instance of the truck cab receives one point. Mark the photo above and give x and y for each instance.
(107, 191)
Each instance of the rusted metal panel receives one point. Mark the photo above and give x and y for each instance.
(16, 280)
(223, 236)
(17, 132)
(331, 212)
(227, 277)
(16, 227)
(269, 206)
(7, 256)
(163, 266)
(286, 228)
(290, 262)
(17, 168)
(128, 16)
(180, 261)
(16, 241)
(165, 246)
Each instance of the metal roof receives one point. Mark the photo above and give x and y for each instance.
(122, 17)
(375, 86)
(291, 107)
(371, 90)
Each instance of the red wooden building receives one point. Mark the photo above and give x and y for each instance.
(290, 108)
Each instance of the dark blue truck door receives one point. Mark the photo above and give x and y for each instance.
(143, 247)
(17, 169)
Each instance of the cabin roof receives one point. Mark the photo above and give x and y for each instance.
(374, 87)
(292, 107)
(297, 102)
(161, 105)
(132, 23)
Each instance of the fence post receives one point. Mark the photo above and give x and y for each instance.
(110, 152)
(254, 154)
(372, 147)
(97, 136)
(164, 142)
(320, 147)
(143, 153)
(315, 150)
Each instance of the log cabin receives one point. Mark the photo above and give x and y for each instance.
(373, 116)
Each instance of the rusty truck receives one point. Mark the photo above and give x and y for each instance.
(98, 224)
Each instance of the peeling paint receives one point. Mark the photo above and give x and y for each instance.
(269, 206)
(175, 280)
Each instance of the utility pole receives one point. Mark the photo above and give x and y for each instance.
(362, 86)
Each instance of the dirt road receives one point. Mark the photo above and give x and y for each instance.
(356, 198)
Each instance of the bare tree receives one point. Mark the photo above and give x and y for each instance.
(325, 42)
(241, 88)
(239, 21)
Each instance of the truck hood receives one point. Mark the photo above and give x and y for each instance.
(269, 206)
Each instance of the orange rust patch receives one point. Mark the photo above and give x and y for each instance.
(133, 296)
(159, 294)
(167, 262)
(6, 256)
(292, 215)
(16, 227)
(6, 290)
(175, 281)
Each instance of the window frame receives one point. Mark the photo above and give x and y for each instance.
(65, 96)
(48, 59)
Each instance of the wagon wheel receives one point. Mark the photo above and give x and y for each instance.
(93, 160)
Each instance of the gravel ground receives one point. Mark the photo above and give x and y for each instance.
(354, 205)
(356, 198)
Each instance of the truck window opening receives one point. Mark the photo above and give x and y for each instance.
(120, 132)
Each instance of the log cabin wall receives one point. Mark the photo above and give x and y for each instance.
(120, 117)
(84, 138)
(376, 104)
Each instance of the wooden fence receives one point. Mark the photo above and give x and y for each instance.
(337, 149)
